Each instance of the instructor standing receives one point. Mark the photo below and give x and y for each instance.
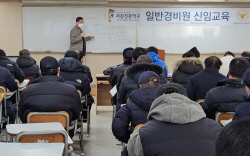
(77, 38)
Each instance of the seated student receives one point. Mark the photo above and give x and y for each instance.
(233, 140)
(177, 126)
(8, 81)
(185, 68)
(136, 110)
(11, 66)
(28, 64)
(153, 53)
(49, 93)
(132, 74)
(228, 56)
(202, 82)
(243, 111)
(246, 55)
(72, 71)
(229, 93)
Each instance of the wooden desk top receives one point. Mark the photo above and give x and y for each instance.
(24, 83)
(102, 76)
(2, 96)
(9, 94)
(37, 149)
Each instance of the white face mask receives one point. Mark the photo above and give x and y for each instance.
(80, 25)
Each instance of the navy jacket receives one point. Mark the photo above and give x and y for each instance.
(12, 67)
(202, 82)
(135, 111)
(243, 111)
(49, 94)
(7, 80)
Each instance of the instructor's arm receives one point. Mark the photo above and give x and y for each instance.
(75, 37)
(88, 38)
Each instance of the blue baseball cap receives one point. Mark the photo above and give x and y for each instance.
(145, 77)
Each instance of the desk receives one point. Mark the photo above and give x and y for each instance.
(23, 84)
(30, 149)
(14, 129)
(225, 122)
(103, 96)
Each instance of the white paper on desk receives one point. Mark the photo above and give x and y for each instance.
(113, 91)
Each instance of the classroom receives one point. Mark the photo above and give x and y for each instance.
(154, 77)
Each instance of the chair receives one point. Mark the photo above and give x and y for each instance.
(200, 101)
(138, 126)
(31, 78)
(3, 92)
(44, 136)
(223, 116)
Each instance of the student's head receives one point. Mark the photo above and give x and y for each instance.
(127, 54)
(229, 53)
(170, 88)
(2, 53)
(80, 55)
(245, 54)
(195, 51)
(213, 62)
(138, 51)
(237, 67)
(49, 66)
(24, 52)
(71, 53)
(148, 79)
(79, 20)
(246, 80)
(188, 55)
(152, 49)
(144, 59)
(234, 139)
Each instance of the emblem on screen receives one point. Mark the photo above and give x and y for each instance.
(242, 15)
(111, 14)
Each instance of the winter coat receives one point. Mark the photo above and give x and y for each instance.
(177, 127)
(224, 68)
(72, 71)
(202, 82)
(156, 60)
(135, 111)
(49, 94)
(7, 80)
(184, 69)
(224, 98)
(28, 66)
(243, 111)
(12, 67)
(131, 78)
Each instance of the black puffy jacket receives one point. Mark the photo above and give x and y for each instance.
(49, 94)
(7, 80)
(28, 66)
(12, 67)
(224, 98)
(72, 71)
(184, 69)
(131, 78)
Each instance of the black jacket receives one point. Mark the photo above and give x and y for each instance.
(49, 94)
(243, 111)
(28, 66)
(224, 98)
(131, 78)
(202, 82)
(7, 80)
(184, 69)
(12, 67)
(72, 71)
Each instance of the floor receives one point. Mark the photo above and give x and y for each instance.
(101, 141)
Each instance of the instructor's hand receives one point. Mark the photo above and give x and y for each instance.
(92, 37)
(82, 34)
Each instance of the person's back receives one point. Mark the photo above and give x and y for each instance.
(225, 62)
(176, 126)
(49, 93)
(11, 66)
(200, 83)
(27, 64)
(185, 68)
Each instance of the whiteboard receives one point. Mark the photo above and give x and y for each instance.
(212, 39)
(48, 28)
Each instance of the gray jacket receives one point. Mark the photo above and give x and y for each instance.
(175, 113)
(76, 41)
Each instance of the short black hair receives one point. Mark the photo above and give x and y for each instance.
(238, 66)
(229, 53)
(152, 49)
(245, 54)
(213, 61)
(138, 51)
(78, 19)
(234, 140)
(188, 54)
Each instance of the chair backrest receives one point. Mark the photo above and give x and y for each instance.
(41, 117)
(138, 126)
(223, 116)
(31, 78)
(200, 101)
